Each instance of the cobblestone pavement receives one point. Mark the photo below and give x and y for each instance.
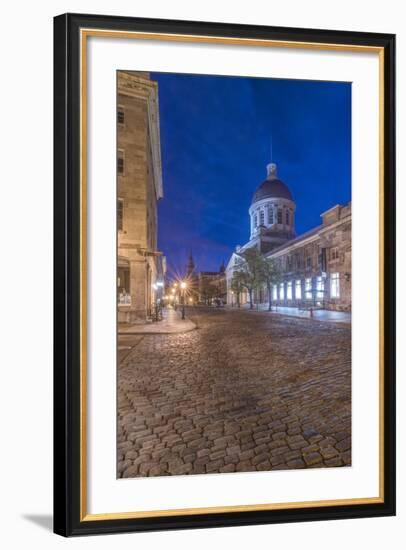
(244, 391)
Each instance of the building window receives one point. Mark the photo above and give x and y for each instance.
(275, 292)
(120, 161)
(120, 211)
(335, 285)
(289, 290)
(298, 263)
(309, 262)
(308, 289)
(281, 291)
(255, 221)
(261, 217)
(270, 215)
(279, 215)
(287, 217)
(298, 290)
(120, 115)
(320, 288)
(334, 253)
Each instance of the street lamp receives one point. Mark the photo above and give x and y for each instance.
(183, 286)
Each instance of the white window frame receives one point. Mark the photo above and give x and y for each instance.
(298, 289)
(320, 288)
(308, 288)
(271, 216)
(334, 285)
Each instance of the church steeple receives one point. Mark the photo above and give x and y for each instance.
(190, 265)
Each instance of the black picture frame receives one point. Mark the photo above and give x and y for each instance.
(67, 266)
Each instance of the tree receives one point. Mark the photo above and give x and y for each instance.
(237, 286)
(248, 271)
(271, 275)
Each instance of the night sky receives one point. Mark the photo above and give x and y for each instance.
(216, 136)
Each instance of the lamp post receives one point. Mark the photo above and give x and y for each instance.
(183, 288)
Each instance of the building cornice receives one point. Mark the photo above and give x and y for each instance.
(303, 240)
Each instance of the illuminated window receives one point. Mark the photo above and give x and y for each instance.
(308, 289)
(335, 285)
(320, 288)
(261, 217)
(298, 290)
(289, 290)
(279, 215)
(275, 292)
(270, 215)
(281, 291)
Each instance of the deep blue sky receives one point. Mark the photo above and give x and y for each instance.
(215, 139)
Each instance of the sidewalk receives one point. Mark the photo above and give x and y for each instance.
(171, 323)
(318, 314)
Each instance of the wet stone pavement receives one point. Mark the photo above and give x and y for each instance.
(245, 391)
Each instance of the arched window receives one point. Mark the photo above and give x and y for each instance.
(261, 217)
(255, 220)
(279, 215)
(270, 215)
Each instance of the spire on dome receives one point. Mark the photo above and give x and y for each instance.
(272, 171)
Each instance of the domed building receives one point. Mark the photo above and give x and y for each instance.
(272, 213)
(315, 267)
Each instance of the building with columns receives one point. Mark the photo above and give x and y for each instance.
(315, 266)
(140, 266)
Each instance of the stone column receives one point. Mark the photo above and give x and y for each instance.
(138, 289)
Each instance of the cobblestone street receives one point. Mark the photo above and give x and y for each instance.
(244, 391)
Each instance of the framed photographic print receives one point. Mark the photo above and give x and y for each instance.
(224, 274)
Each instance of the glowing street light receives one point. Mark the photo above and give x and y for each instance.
(183, 286)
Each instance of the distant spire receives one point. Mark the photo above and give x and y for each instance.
(190, 264)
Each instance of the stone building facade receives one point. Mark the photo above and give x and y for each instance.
(211, 287)
(140, 266)
(205, 287)
(315, 266)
